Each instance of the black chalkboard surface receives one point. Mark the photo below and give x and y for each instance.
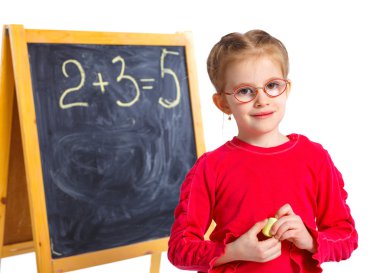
(116, 140)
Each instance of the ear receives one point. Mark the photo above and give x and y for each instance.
(289, 87)
(221, 103)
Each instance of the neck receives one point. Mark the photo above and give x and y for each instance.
(266, 140)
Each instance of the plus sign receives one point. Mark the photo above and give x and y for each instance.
(101, 83)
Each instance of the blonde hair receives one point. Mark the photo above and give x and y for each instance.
(235, 47)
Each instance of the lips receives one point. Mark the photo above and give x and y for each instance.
(263, 114)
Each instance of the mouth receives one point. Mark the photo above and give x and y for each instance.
(262, 115)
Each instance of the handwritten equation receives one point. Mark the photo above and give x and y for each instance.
(123, 76)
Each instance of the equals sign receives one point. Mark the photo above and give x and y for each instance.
(148, 84)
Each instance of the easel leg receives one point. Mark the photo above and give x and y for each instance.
(155, 261)
(6, 110)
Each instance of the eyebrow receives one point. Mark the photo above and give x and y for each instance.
(254, 85)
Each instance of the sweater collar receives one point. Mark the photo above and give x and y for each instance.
(293, 139)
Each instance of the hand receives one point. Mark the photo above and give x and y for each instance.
(290, 226)
(248, 248)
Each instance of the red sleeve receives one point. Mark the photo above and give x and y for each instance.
(336, 236)
(187, 247)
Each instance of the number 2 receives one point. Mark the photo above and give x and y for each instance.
(62, 105)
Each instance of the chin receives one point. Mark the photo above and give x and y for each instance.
(265, 131)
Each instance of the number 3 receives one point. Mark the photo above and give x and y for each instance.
(127, 77)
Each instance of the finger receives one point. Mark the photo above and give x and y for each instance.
(284, 224)
(268, 249)
(276, 226)
(269, 243)
(273, 252)
(274, 256)
(284, 210)
(291, 228)
(288, 235)
(256, 229)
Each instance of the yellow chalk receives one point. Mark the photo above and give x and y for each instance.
(268, 226)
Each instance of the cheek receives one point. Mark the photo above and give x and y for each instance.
(281, 102)
(240, 110)
(281, 106)
(233, 106)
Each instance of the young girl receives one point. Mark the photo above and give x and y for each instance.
(260, 173)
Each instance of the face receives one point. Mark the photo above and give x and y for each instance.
(262, 116)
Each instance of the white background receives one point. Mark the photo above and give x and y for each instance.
(334, 49)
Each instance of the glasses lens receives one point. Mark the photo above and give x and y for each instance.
(245, 93)
(275, 87)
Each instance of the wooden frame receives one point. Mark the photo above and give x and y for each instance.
(16, 75)
(6, 111)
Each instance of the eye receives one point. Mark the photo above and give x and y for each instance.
(245, 91)
(273, 85)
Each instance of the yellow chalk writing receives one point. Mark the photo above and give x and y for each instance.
(62, 105)
(126, 77)
(164, 102)
(101, 83)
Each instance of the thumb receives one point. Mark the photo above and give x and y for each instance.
(256, 229)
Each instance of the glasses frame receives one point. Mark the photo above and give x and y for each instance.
(237, 88)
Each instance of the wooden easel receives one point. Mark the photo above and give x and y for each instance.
(18, 238)
(21, 187)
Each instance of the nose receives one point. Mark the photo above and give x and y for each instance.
(261, 98)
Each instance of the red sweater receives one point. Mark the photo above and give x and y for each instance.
(240, 184)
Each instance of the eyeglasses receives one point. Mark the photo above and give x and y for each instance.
(246, 92)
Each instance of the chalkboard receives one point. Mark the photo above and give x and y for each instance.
(116, 139)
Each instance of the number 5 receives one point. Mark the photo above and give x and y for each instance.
(164, 102)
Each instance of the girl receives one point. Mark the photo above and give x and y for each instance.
(260, 173)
